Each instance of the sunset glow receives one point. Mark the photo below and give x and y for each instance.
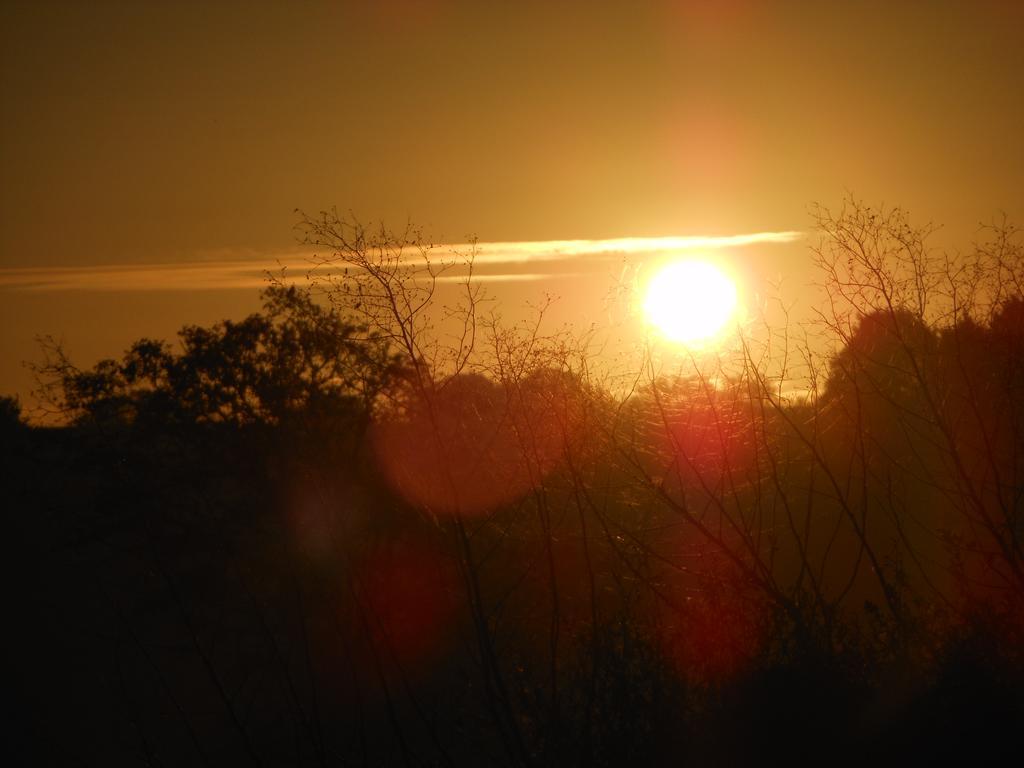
(691, 302)
(422, 382)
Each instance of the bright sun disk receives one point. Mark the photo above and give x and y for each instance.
(690, 301)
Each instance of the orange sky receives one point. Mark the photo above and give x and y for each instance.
(140, 133)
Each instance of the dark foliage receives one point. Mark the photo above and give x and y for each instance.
(299, 540)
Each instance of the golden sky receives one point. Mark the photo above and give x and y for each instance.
(135, 134)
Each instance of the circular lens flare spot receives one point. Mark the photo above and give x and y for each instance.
(690, 301)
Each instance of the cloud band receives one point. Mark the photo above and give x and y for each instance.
(498, 262)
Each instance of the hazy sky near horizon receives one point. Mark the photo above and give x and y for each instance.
(165, 132)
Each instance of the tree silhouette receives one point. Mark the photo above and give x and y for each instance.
(295, 358)
(361, 526)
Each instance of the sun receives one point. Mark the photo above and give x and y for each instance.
(690, 302)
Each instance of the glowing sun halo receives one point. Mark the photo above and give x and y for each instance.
(690, 301)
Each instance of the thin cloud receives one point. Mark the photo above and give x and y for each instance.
(501, 262)
(557, 250)
(509, 277)
(145, 277)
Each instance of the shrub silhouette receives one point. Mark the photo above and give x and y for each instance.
(332, 532)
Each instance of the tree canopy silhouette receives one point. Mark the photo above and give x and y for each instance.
(512, 559)
(295, 358)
